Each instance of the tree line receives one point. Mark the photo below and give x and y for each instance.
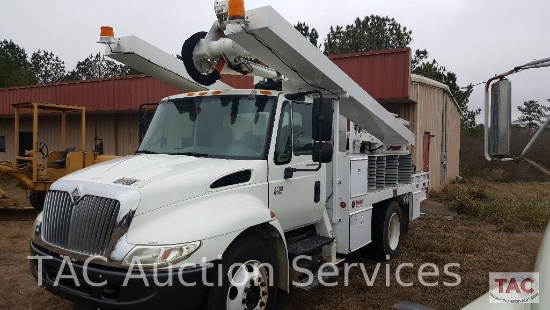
(533, 115)
(43, 67)
(376, 32)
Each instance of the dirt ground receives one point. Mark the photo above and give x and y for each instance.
(14, 194)
(439, 237)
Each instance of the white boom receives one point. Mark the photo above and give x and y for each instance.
(270, 38)
(142, 56)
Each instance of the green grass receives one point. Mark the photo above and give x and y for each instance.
(510, 206)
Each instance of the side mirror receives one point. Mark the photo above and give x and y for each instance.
(500, 118)
(322, 119)
(322, 152)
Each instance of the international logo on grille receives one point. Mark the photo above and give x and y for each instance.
(75, 195)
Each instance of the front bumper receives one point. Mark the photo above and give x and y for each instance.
(114, 295)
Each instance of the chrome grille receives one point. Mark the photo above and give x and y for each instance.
(85, 227)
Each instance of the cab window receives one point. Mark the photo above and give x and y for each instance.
(294, 135)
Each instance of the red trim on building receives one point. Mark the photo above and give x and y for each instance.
(385, 75)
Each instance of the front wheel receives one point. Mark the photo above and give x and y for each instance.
(386, 231)
(249, 278)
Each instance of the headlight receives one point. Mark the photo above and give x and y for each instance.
(160, 256)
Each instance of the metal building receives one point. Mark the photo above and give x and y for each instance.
(433, 114)
(434, 118)
(112, 109)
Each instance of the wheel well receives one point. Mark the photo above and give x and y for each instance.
(400, 201)
(277, 246)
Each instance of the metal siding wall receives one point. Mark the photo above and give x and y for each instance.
(49, 129)
(430, 114)
(117, 94)
(237, 81)
(6, 129)
(453, 142)
(383, 74)
(105, 131)
(417, 150)
(128, 133)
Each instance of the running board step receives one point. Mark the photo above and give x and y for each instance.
(308, 284)
(309, 245)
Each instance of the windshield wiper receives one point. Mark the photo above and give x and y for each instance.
(145, 152)
(195, 154)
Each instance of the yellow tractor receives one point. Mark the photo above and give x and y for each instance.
(40, 167)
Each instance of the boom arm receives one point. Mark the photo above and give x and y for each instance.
(270, 38)
(155, 62)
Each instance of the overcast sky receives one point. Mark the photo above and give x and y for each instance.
(474, 38)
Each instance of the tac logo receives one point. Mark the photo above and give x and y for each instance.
(514, 287)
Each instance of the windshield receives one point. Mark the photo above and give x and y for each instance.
(234, 127)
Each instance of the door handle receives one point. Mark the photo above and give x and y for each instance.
(317, 192)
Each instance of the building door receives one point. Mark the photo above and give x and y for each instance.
(296, 201)
(25, 143)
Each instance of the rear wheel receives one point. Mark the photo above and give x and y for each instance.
(386, 231)
(37, 199)
(249, 278)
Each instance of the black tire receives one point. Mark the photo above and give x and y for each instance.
(187, 58)
(405, 220)
(37, 199)
(382, 247)
(245, 250)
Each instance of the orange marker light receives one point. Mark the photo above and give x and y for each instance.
(342, 205)
(190, 94)
(235, 9)
(107, 31)
(203, 93)
(216, 92)
(166, 254)
(265, 92)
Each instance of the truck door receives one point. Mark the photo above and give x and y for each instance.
(299, 200)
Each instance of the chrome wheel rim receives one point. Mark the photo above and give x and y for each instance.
(394, 231)
(248, 286)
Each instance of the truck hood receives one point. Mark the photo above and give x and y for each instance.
(163, 180)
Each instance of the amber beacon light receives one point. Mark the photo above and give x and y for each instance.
(236, 9)
(107, 34)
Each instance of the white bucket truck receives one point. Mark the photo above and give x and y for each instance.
(230, 186)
